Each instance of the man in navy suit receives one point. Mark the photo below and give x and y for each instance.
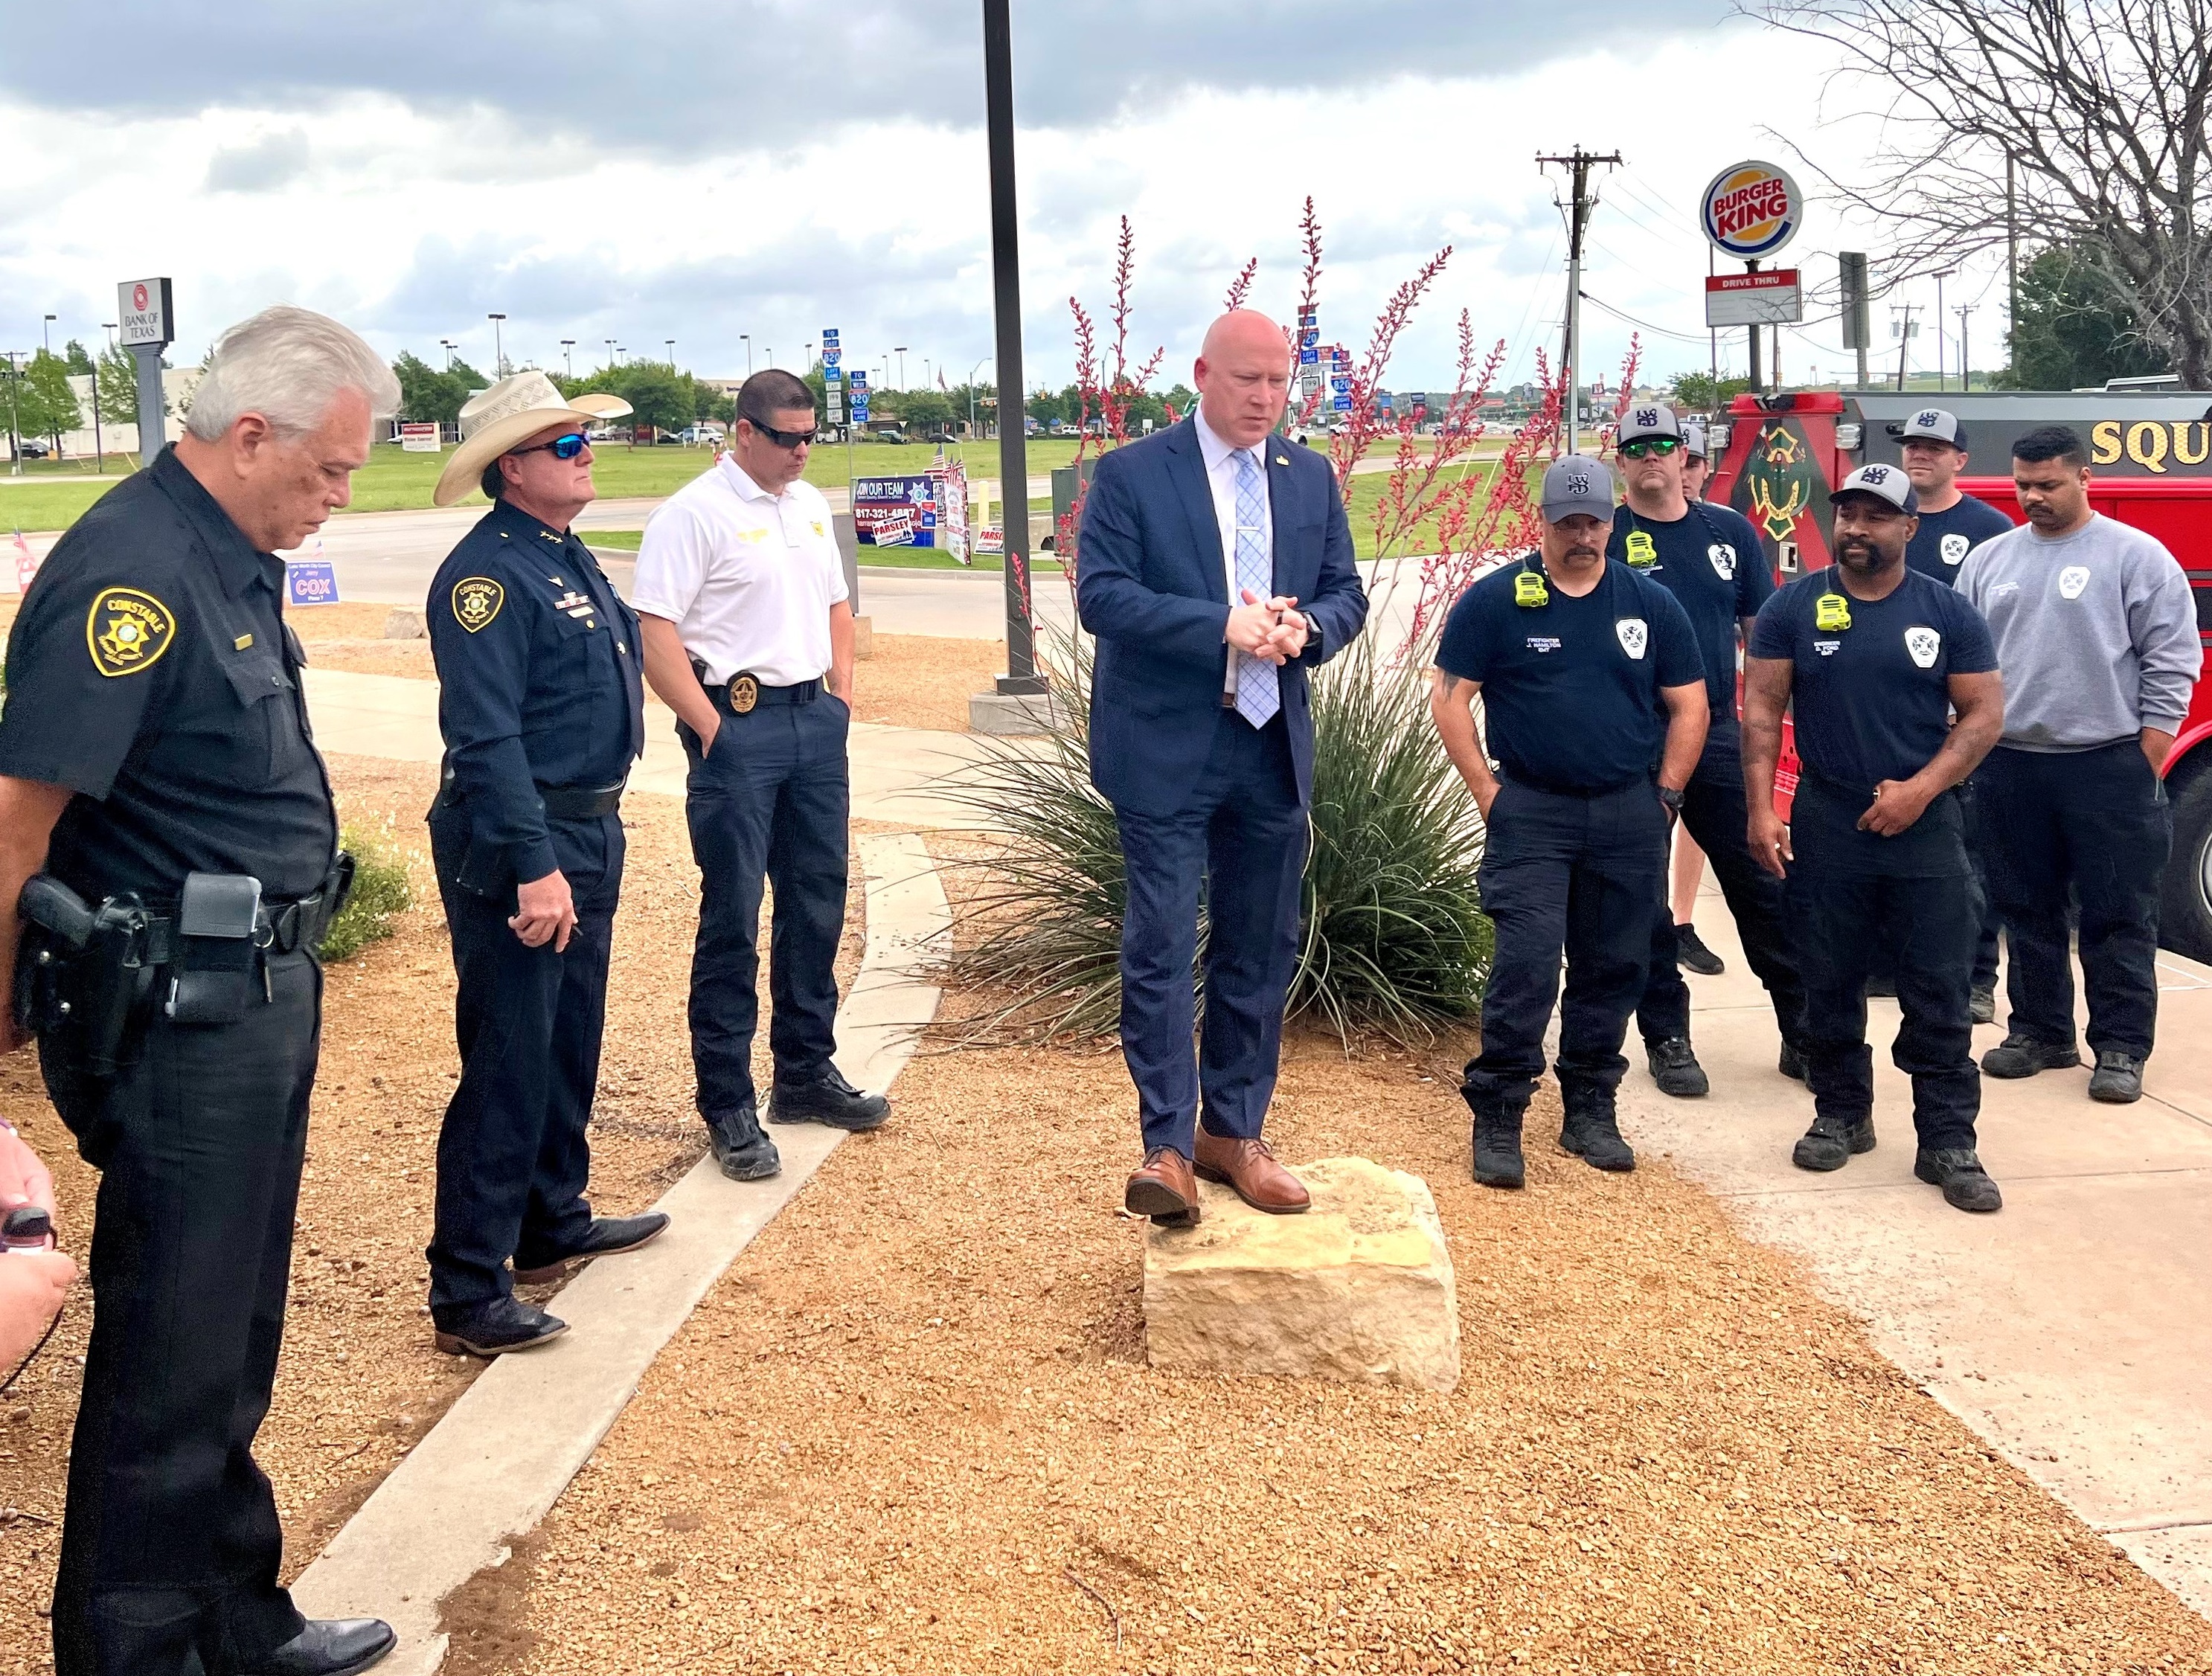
(1214, 568)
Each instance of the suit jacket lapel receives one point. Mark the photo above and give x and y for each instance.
(1186, 466)
(1282, 501)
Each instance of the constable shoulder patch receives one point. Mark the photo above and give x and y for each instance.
(127, 630)
(476, 600)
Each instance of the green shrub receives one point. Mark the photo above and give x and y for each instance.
(381, 895)
(1392, 939)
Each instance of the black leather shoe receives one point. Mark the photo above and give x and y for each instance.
(1832, 1142)
(1966, 1185)
(827, 1099)
(2021, 1055)
(743, 1152)
(606, 1236)
(331, 1646)
(1674, 1068)
(1792, 1063)
(495, 1327)
(1693, 956)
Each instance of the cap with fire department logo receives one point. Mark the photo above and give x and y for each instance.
(1649, 419)
(1933, 424)
(1577, 484)
(1884, 482)
(1693, 440)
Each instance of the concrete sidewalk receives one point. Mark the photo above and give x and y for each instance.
(397, 716)
(2073, 1329)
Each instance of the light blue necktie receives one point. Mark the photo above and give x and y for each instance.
(1259, 682)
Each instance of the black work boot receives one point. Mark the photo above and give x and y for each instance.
(1590, 1130)
(827, 1098)
(2021, 1055)
(1691, 954)
(1674, 1068)
(1832, 1142)
(1791, 1064)
(1957, 1170)
(2118, 1079)
(743, 1152)
(1496, 1142)
(1982, 1004)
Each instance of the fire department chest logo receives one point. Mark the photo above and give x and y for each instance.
(1923, 644)
(1953, 547)
(476, 600)
(2072, 580)
(1722, 554)
(128, 631)
(1634, 636)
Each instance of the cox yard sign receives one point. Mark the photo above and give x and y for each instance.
(1751, 210)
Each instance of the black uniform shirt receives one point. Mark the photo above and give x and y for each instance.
(1711, 560)
(1873, 701)
(1571, 688)
(538, 667)
(1944, 538)
(151, 671)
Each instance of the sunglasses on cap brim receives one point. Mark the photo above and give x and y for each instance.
(1661, 446)
(560, 447)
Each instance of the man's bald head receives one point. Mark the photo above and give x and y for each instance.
(1243, 375)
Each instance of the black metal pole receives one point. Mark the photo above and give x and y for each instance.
(1021, 676)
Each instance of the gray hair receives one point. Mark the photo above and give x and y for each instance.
(287, 365)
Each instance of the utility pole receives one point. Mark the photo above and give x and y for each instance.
(1021, 678)
(1904, 343)
(1940, 278)
(1965, 361)
(2012, 265)
(1580, 162)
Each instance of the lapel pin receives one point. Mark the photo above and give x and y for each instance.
(1282, 459)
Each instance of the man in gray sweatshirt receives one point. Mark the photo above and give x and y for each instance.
(2096, 635)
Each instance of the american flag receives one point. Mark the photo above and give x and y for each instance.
(26, 567)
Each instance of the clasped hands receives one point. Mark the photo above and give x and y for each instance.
(1270, 629)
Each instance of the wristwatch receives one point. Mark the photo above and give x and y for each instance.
(1313, 631)
(1671, 798)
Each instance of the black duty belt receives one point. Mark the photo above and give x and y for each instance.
(745, 693)
(1586, 794)
(581, 803)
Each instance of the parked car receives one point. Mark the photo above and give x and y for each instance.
(28, 449)
(886, 436)
(944, 436)
(700, 436)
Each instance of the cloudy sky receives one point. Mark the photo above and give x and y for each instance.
(643, 170)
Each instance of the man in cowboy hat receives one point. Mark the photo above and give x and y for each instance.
(543, 711)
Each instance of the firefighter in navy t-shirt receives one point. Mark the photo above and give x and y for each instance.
(1710, 559)
(1873, 659)
(1590, 679)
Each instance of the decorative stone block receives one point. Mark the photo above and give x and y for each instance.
(1360, 1288)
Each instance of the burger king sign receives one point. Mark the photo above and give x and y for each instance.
(1751, 210)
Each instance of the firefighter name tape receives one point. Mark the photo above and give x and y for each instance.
(1751, 210)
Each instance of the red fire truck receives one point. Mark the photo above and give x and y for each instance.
(2151, 466)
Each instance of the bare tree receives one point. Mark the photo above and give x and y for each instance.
(2094, 111)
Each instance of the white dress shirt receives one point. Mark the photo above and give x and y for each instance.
(1221, 470)
(748, 578)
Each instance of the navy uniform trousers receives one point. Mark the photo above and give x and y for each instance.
(1242, 836)
(1572, 872)
(199, 1146)
(1715, 815)
(1855, 897)
(2096, 823)
(513, 1156)
(768, 805)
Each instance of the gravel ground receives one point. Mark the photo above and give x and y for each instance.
(910, 681)
(912, 1430)
(360, 1381)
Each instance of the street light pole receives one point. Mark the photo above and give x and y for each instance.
(610, 354)
(671, 342)
(1021, 676)
(899, 349)
(46, 341)
(746, 338)
(498, 351)
(568, 355)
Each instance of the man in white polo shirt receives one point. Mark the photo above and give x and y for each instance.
(741, 600)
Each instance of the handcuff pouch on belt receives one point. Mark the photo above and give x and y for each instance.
(220, 937)
(84, 975)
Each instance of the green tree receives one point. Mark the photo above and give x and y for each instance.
(80, 363)
(427, 394)
(923, 411)
(1044, 407)
(119, 387)
(2072, 332)
(1700, 393)
(46, 405)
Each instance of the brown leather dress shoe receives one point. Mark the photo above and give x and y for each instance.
(1250, 1167)
(1163, 1189)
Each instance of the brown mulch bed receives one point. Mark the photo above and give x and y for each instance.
(360, 1381)
(912, 1430)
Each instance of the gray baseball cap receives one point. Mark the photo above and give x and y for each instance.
(1693, 440)
(1935, 424)
(1649, 419)
(1884, 482)
(1577, 484)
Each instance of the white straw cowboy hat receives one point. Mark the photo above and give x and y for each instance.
(512, 411)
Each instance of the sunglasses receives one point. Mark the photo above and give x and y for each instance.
(1661, 446)
(785, 439)
(560, 447)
